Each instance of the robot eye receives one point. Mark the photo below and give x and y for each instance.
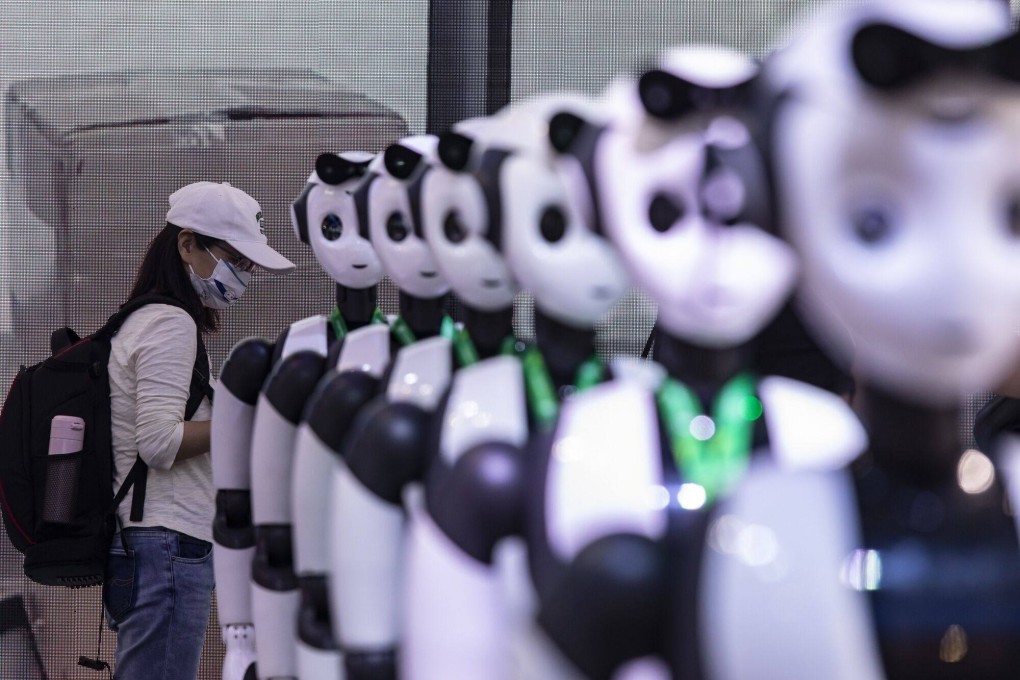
(332, 227)
(453, 228)
(664, 211)
(1013, 216)
(872, 225)
(396, 228)
(553, 224)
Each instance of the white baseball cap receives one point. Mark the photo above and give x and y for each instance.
(229, 214)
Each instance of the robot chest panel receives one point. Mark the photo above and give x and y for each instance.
(421, 373)
(785, 545)
(366, 349)
(487, 403)
(605, 470)
(307, 334)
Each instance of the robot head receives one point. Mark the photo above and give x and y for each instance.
(550, 238)
(462, 216)
(898, 181)
(324, 216)
(391, 195)
(683, 196)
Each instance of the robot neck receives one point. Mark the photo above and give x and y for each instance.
(705, 370)
(918, 444)
(564, 347)
(356, 305)
(423, 315)
(488, 329)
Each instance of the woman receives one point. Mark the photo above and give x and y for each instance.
(159, 578)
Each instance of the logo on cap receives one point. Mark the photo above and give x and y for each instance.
(262, 222)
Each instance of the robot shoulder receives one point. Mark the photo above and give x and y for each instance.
(808, 427)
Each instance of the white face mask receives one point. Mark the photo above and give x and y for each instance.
(223, 287)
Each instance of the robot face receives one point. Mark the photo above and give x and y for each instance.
(394, 220)
(459, 227)
(905, 207)
(325, 217)
(574, 273)
(717, 282)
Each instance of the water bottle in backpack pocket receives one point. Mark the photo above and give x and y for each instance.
(63, 469)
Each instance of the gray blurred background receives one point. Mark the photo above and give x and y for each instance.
(375, 49)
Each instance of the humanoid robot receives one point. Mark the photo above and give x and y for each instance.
(295, 634)
(908, 565)
(681, 190)
(389, 447)
(903, 565)
(389, 195)
(241, 381)
(552, 243)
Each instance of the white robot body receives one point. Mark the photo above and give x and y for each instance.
(233, 544)
(366, 349)
(486, 403)
(472, 641)
(605, 476)
(233, 594)
(363, 602)
(799, 569)
(306, 334)
(368, 532)
(231, 433)
(231, 440)
(605, 471)
(318, 664)
(273, 463)
(421, 373)
(275, 614)
(240, 643)
(317, 217)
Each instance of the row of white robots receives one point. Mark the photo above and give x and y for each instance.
(422, 499)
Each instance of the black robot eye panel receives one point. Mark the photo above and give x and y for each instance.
(335, 169)
(455, 150)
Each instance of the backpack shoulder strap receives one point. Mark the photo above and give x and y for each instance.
(114, 323)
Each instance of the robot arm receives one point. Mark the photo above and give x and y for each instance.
(274, 584)
(452, 577)
(234, 539)
(386, 452)
(327, 418)
(607, 608)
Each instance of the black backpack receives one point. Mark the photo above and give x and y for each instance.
(65, 534)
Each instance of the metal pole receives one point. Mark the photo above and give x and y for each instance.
(468, 72)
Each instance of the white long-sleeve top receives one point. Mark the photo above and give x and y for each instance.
(151, 361)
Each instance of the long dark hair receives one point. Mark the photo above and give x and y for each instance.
(163, 272)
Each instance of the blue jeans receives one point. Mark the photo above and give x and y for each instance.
(157, 595)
